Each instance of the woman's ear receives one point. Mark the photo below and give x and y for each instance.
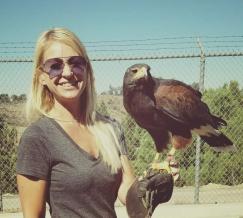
(42, 79)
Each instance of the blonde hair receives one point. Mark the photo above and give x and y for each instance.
(40, 101)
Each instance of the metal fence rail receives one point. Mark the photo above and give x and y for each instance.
(206, 176)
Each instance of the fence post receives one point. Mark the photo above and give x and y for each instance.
(198, 144)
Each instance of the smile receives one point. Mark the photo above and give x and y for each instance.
(69, 83)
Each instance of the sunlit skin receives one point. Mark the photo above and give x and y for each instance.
(67, 88)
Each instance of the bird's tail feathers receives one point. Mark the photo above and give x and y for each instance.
(225, 149)
(219, 142)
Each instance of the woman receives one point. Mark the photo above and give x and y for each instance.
(69, 156)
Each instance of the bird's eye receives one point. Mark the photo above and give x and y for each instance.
(134, 70)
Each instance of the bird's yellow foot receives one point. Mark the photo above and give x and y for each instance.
(169, 165)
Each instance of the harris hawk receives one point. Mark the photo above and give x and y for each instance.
(170, 111)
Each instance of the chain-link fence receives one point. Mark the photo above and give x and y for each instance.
(205, 176)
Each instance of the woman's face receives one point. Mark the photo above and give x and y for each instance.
(65, 77)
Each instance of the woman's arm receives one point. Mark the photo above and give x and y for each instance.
(127, 179)
(32, 194)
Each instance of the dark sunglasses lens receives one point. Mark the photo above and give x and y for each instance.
(77, 60)
(54, 73)
(78, 70)
(53, 67)
(78, 64)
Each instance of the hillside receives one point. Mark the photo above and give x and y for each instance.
(14, 113)
(114, 105)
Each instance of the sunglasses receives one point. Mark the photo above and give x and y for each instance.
(54, 66)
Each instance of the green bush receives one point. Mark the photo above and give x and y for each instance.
(8, 150)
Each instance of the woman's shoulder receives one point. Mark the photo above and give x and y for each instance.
(37, 127)
(33, 157)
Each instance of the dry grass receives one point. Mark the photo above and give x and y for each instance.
(14, 113)
(114, 106)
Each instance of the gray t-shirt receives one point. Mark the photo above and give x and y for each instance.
(79, 184)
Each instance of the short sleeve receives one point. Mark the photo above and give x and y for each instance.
(33, 159)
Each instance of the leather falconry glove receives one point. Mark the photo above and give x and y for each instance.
(146, 194)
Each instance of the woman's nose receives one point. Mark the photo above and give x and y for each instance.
(67, 71)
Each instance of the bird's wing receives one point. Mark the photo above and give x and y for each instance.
(142, 109)
(180, 102)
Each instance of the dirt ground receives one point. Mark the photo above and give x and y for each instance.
(215, 201)
(232, 210)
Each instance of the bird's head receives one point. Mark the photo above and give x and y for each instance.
(137, 74)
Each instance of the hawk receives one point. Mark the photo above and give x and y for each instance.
(170, 111)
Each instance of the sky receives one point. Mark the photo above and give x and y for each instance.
(107, 20)
(119, 20)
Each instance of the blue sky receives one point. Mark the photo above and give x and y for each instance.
(118, 20)
(107, 20)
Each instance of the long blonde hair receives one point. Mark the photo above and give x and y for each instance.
(40, 101)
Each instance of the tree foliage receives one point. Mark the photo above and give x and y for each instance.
(5, 98)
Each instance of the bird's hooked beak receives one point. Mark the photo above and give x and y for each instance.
(139, 73)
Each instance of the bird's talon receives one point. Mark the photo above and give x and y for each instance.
(161, 167)
(171, 167)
